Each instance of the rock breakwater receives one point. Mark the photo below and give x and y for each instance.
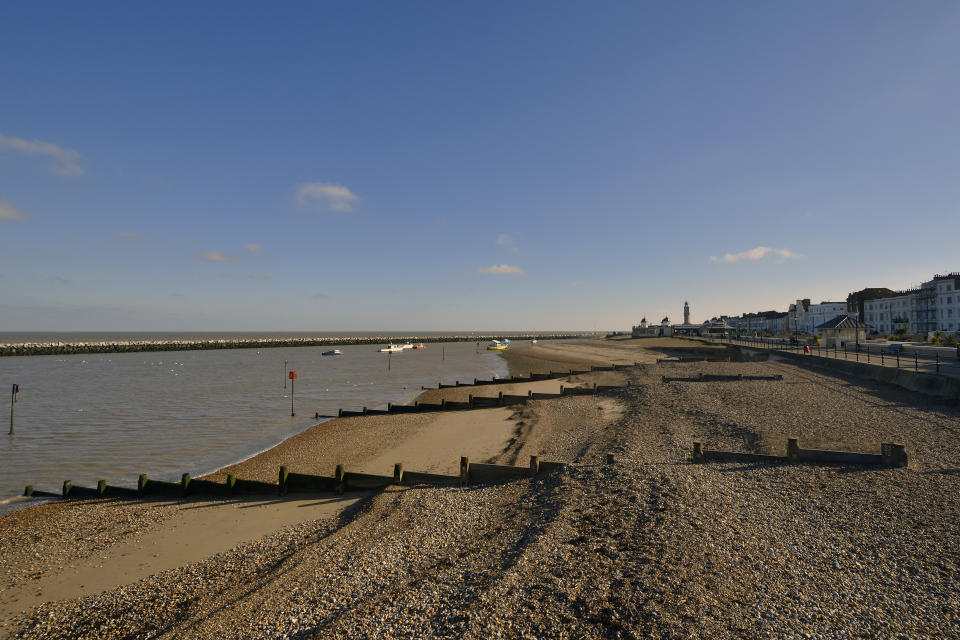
(124, 346)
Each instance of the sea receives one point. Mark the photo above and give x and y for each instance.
(88, 417)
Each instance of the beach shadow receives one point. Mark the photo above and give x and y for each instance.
(210, 505)
(334, 500)
(753, 466)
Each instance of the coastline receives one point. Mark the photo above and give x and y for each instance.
(290, 451)
(647, 546)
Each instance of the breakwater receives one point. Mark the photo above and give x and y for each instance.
(134, 346)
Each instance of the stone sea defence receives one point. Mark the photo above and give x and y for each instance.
(65, 348)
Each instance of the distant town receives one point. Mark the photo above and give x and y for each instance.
(929, 313)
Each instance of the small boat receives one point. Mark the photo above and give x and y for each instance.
(534, 341)
(497, 345)
(334, 352)
(419, 345)
(390, 348)
(407, 346)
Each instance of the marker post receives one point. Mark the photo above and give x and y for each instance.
(293, 376)
(14, 394)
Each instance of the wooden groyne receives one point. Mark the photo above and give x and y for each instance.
(289, 482)
(133, 346)
(891, 455)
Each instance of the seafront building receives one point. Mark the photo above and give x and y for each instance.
(931, 307)
(714, 327)
(842, 330)
(817, 314)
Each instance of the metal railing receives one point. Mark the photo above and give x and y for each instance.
(883, 355)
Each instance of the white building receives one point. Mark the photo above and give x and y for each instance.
(886, 315)
(946, 304)
(797, 316)
(817, 314)
(934, 306)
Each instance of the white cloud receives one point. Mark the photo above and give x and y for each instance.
(66, 162)
(130, 237)
(330, 196)
(253, 248)
(502, 269)
(10, 212)
(215, 256)
(504, 239)
(757, 253)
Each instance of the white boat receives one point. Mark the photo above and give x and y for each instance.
(534, 341)
(497, 345)
(390, 348)
(407, 346)
(334, 352)
(419, 345)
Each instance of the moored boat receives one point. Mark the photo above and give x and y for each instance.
(419, 345)
(497, 345)
(333, 352)
(390, 348)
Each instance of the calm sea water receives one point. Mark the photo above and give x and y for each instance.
(113, 416)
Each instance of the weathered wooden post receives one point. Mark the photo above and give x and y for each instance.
(534, 465)
(283, 479)
(698, 452)
(185, 483)
(611, 459)
(793, 450)
(894, 455)
(101, 488)
(338, 475)
(142, 484)
(464, 471)
(398, 473)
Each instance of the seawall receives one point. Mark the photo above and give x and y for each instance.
(929, 384)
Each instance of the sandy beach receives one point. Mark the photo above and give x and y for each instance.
(651, 546)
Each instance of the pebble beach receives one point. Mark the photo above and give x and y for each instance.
(649, 546)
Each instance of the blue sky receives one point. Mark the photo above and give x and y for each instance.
(364, 166)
